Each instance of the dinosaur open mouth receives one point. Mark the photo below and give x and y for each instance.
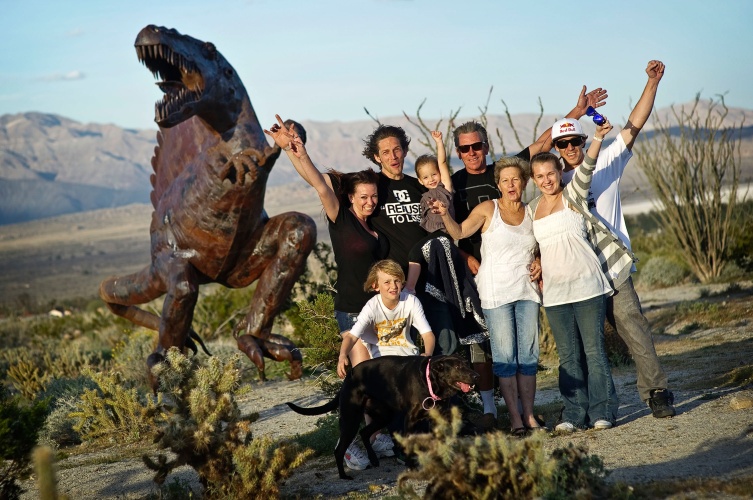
(182, 82)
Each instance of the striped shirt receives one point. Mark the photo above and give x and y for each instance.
(615, 257)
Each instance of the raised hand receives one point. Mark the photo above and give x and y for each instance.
(282, 136)
(437, 135)
(603, 129)
(655, 70)
(595, 98)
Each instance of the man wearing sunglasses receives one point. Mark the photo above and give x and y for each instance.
(475, 184)
(623, 308)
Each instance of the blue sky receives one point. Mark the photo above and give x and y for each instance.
(326, 60)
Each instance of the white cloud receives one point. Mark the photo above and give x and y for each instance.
(61, 77)
(75, 32)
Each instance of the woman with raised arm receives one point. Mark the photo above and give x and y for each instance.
(507, 286)
(348, 201)
(575, 287)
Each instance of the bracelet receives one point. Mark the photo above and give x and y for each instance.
(598, 138)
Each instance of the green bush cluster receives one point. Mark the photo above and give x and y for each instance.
(20, 422)
(320, 335)
(200, 423)
(660, 271)
(496, 466)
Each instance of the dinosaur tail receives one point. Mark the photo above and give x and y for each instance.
(316, 410)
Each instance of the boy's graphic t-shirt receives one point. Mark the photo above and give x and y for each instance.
(387, 331)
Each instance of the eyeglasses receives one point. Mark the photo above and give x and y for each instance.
(575, 142)
(476, 146)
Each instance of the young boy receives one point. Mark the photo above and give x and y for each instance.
(383, 326)
(385, 321)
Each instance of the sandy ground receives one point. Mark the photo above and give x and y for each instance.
(709, 438)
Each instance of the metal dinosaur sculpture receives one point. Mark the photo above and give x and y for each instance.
(211, 166)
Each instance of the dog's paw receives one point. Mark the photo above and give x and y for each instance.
(345, 476)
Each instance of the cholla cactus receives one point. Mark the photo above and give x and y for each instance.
(200, 422)
(494, 465)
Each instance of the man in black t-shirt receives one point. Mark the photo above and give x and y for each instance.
(397, 215)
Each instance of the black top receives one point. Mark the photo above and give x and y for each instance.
(398, 215)
(355, 251)
(470, 191)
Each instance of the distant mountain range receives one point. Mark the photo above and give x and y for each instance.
(51, 165)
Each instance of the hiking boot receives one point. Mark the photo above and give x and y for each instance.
(660, 403)
(383, 446)
(355, 458)
(601, 425)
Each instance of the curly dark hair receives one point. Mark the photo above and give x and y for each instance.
(371, 143)
(345, 184)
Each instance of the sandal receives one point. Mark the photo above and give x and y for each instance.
(519, 432)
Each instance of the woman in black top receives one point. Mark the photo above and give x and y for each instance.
(348, 201)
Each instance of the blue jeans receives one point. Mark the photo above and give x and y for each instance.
(514, 331)
(345, 320)
(439, 318)
(585, 377)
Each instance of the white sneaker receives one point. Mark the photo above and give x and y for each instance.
(383, 445)
(565, 427)
(601, 425)
(355, 458)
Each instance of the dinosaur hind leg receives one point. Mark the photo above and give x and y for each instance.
(121, 293)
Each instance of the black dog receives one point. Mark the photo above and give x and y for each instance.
(388, 386)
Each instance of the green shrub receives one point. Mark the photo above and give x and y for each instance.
(661, 271)
(113, 412)
(20, 422)
(199, 421)
(320, 334)
(496, 466)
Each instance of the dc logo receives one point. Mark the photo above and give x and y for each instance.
(401, 195)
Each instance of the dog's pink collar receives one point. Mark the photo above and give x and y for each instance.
(434, 398)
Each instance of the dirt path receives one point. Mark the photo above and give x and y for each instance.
(709, 438)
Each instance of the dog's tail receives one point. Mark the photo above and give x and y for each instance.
(316, 410)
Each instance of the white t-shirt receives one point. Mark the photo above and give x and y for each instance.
(506, 255)
(604, 195)
(387, 331)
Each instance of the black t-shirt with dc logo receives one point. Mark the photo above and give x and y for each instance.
(398, 215)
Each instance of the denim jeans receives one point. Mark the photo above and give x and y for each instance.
(345, 320)
(585, 377)
(439, 318)
(514, 331)
(624, 312)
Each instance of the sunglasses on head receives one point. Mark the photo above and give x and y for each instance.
(476, 146)
(575, 142)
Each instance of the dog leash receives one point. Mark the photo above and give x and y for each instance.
(434, 398)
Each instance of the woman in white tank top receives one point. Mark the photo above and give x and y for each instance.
(575, 287)
(507, 285)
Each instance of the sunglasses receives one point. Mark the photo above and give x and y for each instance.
(476, 146)
(575, 142)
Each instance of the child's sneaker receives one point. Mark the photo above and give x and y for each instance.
(383, 446)
(355, 458)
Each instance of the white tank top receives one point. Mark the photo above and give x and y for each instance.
(569, 265)
(506, 256)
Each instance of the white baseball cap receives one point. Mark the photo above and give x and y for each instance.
(566, 127)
